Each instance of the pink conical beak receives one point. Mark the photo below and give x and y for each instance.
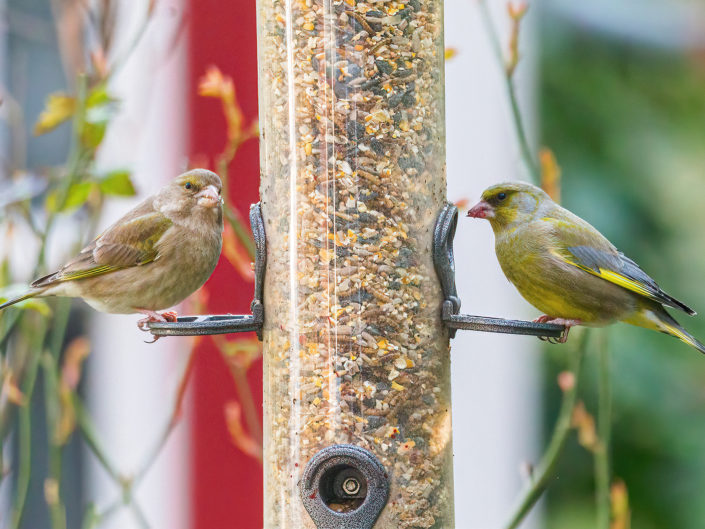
(481, 210)
(208, 197)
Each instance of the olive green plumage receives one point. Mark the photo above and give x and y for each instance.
(566, 268)
(153, 257)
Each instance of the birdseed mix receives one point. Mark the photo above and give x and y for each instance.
(353, 176)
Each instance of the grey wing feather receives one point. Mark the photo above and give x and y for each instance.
(598, 260)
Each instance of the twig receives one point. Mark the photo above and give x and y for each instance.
(173, 420)
(508, 75)
(53, 495)
(545, 469)
(87, 429)
(604, 425)
(121, 59)
(25, 465)
(25, 426)
(77, 158)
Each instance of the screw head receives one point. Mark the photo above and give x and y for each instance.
(351, 486)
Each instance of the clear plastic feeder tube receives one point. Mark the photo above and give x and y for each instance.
(353, 176)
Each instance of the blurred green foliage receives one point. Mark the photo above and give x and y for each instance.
(626, 122)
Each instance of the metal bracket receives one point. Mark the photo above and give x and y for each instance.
(228, 323)
(344, 487)
(443, 260)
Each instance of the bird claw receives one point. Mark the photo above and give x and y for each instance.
(563, 338)
(153, 317)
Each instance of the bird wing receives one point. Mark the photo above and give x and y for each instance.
(132, 241)
(582, 246)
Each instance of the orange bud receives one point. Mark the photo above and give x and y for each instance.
(462, 203)
(566, 381)
(550, 174)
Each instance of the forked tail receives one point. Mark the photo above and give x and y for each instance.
(655, 317)
(17, 300)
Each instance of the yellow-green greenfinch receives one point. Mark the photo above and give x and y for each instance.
(567, 269)
(152, 258)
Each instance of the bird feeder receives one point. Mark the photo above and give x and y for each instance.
(358, 301)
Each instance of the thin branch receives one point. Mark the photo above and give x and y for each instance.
(546, 468)
(24, 470)
(90, 436)
(57, 510)
(508, 75)
(122, 58)
(88, 431)
(604, 425)
(177, 409)
(25, 465)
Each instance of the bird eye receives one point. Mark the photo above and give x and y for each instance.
(188, 185)
(501, 196)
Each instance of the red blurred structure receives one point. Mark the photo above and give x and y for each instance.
(226, 484)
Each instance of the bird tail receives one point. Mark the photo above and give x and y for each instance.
(28, 295)
(656, 318)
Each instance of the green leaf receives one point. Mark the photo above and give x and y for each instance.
(99, 96)
(117, 183)
(100, 109)
(91, 517)
(93, 133)
(5, 272)
(76, 197)
(35, 304)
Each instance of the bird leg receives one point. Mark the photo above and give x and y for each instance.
(153, 316)
(557, 321)
(543, 319)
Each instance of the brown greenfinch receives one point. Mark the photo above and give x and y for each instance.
(152, 258)
(567, 269)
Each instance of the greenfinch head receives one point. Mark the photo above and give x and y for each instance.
(509, 204)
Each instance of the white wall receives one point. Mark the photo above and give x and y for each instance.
(494, 377)
(132, 384)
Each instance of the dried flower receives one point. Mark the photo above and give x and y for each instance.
(516, 13)
(11, 390)
(585, 424)
(75, 354)
(58, 108)
(621, 515)
(241, 439)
